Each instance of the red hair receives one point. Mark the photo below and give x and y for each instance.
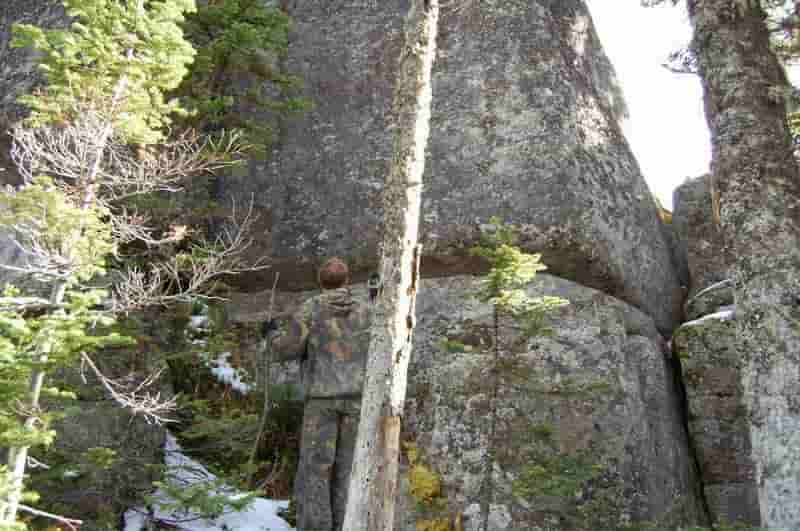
(333, 274)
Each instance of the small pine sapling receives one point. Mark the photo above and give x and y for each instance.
(510, 271)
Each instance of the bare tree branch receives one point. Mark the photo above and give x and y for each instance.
(65, 151)
(45, 257)
(26, 304)
(120, 171)
(191, 274)
(72, 523)
(135, 397)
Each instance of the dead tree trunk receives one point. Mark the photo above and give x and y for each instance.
(757, 184)
(373, 480)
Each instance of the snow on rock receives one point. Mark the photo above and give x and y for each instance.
(727, 283)
(260, 515)
(225, 373)
(198, 322)
(725, 313)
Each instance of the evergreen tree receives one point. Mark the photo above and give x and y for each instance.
(510, 271)
(121, 58)
(38, 334)
(236, 80)
(97, 135)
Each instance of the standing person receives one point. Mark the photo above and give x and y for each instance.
(330, 332)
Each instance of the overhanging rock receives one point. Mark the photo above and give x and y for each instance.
(524, 127)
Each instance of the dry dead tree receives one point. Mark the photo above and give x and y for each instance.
(94, 168)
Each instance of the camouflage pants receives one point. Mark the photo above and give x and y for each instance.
(330, 427)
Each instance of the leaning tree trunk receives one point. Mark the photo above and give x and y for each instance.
(373, 479)
(758, 185)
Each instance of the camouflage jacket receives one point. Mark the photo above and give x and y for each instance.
(330, 333)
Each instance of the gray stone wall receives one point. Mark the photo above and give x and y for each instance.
(524, 127)
(18, 68)
(699, 237)
(718, 420)
(602, 380)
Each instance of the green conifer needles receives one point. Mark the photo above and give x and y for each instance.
(511, 269)
(236, 80)
(504, 288)
(73, 241)
(125, 55)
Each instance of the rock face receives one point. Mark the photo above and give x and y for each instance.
(524, 127)
(759, 183)
(712, 299)
(718, 421)
(600, 384)
(18, 68)
(699, 238)
(10, 255)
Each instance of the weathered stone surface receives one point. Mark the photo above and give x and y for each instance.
(699, 238)
(758, 181)
(769, 345)
(710, 299)
(601, 381)
(719, 424)
(10, 255)
(524, 127)
(18, 67)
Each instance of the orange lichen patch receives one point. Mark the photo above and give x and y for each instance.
(342, 351)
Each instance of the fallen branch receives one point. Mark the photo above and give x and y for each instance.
(72, 523)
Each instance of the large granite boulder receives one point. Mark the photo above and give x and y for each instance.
(601, 387)
(524, 126)
(601, 382)
(719, 424)
(699, 239)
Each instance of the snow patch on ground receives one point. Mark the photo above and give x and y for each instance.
(197, 332)
(198, 322)
(261, 515)
(225, 373)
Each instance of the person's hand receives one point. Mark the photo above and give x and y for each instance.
(269, 327)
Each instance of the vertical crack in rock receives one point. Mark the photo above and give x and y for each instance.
(677, 375)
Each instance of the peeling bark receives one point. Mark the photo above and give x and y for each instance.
(758, 182)
(373, 479)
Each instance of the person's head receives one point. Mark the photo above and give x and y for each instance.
(333, 274)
